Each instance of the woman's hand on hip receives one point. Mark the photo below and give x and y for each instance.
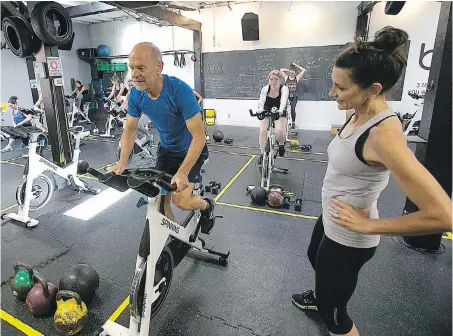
(343, 214)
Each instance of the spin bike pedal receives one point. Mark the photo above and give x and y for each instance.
(207, 230)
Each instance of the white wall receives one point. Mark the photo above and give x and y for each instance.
(14, 78)
(121, 36)
(14, 74)
(419, 19)
(282, 25)
(73, 66)
(299, 24)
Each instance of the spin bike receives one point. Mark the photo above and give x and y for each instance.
(163, 245)
(77, 114)
(37, 121)
(117, 118)
(270, 152)
(143, 145)
(36, 188)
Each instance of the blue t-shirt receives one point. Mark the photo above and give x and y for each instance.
(18, 117)
(168, 113)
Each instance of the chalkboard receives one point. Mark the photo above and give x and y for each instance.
(242, 74)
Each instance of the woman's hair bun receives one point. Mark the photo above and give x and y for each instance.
(390, 39)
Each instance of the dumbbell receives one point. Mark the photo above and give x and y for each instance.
(298, 205)
(215, 189)
(208, 187)
(286, 202)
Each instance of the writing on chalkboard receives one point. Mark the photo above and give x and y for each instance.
(243, 73)
(329, 71)
(215, 68)
(265, 62)
(245, 85)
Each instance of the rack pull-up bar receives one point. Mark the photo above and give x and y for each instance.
(164, 53)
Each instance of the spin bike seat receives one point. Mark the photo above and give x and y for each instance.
(14, 131)
(79, 131)
(31, 129)
(75, 129)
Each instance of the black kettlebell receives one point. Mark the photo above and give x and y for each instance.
(258, 195)
(217, 136)
(81, 279)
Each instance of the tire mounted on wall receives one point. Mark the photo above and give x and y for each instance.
(41, 16)
(18, 38)
(394, 7)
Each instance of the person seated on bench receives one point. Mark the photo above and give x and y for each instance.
(19, 119)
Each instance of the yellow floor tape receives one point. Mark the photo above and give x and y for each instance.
(26, 329)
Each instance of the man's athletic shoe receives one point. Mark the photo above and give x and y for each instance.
(281, 150)
(305, 300)
(207, 217)
(260, 161)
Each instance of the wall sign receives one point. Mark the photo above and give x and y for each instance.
(33, 83)
(54, 66)
(423, 54)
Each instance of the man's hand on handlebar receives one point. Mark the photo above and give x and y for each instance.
(117, 169)
(181, 180)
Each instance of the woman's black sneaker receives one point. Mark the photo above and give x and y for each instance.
(305, 300)
(281, 150)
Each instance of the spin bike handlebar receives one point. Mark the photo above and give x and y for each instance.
(272, 113)
(139, 179)
(33, 111)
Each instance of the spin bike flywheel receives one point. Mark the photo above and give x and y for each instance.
(164, 269)
(113, 125)
(41, 192)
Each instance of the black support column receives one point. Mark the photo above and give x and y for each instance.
(435, 126)
(198, 66)
(52, 91)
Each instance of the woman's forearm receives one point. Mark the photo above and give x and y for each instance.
(417, 223)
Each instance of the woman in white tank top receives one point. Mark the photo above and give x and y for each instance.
(369, 147)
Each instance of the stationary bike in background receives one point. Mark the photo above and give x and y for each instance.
(36, 188)
(143, 145)
(163, 245)
(270, 152)
(75, 113)
(116, 119)
(36, 121)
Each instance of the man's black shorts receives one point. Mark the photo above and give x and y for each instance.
(170, 162)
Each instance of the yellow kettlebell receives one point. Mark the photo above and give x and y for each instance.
(71, 314)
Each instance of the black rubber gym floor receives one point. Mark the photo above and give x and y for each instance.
(400, 292)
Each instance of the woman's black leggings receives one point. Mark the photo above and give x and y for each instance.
(293, 109)
(337, 269)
